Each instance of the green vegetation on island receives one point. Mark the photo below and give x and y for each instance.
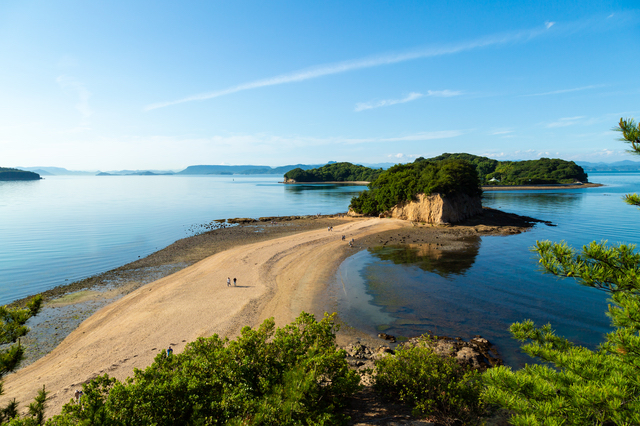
(17, 174)
(530, 172)
(403, 182)
(334, 172)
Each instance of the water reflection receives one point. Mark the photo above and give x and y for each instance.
(432, 257)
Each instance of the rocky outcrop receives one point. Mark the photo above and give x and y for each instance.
(437, 208)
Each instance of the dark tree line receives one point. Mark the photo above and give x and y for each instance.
(336, 172)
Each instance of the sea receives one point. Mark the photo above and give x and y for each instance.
(65, 228)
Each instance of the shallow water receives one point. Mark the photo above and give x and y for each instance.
(65, 228)
(496, 280)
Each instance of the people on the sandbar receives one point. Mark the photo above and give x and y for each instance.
(234, 281)
(78, 395)
(344, 237)
(228, 281)
(169, 351)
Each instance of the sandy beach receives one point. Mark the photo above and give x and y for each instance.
(279, 275)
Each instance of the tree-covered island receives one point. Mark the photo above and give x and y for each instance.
(531, 172)
(403, 182)
(334, 172)
(544, 171)
(17, 174)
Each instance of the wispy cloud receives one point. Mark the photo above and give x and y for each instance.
(361, 106)
(387, 102)
(549, 24)
(566, 121)
(79, 89)
(444, 93)
(369, 62)
(558, 92)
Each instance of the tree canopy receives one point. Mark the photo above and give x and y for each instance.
(336, 172)
(530, 172)
(294, 375)
(630, 134)
(403, 182)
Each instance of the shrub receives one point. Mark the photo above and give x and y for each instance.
(290, 376)
(437, 387)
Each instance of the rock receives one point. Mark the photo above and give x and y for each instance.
(436, 208)
(388, 337)
(241, 220)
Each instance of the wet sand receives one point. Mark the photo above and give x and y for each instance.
(179, 294)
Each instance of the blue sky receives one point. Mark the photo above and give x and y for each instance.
(164, 85)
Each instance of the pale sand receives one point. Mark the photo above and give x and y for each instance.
(276, 278)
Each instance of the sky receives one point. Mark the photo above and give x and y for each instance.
(162, 85)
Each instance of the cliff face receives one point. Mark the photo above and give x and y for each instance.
(436, 208)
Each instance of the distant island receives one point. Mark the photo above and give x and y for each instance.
(17, 174)
(545, 171)
(335, 172)
(146, 173)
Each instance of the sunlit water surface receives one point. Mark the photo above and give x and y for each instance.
(496, 281)
(64, 228)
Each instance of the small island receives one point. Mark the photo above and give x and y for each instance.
(443, 191)
(334, 172)
(17, 174)
(491, 173)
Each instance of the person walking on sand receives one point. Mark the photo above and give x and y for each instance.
(228, 281)
(169, 351)
(234, 281)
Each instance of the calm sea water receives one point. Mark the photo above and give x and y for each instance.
(61, 229)
(496, 280)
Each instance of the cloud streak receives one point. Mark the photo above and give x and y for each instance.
(370, 62)
(387, 102)
(576, 89)
(410, 97)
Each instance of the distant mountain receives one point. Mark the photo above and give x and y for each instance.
(42, 172)
(56, 171)
(618, 166)
(244, 170)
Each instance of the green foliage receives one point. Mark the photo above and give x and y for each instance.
(403, 182)
(577, 386)
(484, 166)
(290, 376)
(12, 327)
(631, 135)
(437, 387)
(542, 171)
(335, 172)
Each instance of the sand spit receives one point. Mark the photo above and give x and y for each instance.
(280, 275)
(276, 278)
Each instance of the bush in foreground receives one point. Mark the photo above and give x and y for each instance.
(436, 387)
(290, 376)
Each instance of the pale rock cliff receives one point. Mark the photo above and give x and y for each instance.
(436, 208)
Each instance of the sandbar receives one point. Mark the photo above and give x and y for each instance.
(277, 277)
